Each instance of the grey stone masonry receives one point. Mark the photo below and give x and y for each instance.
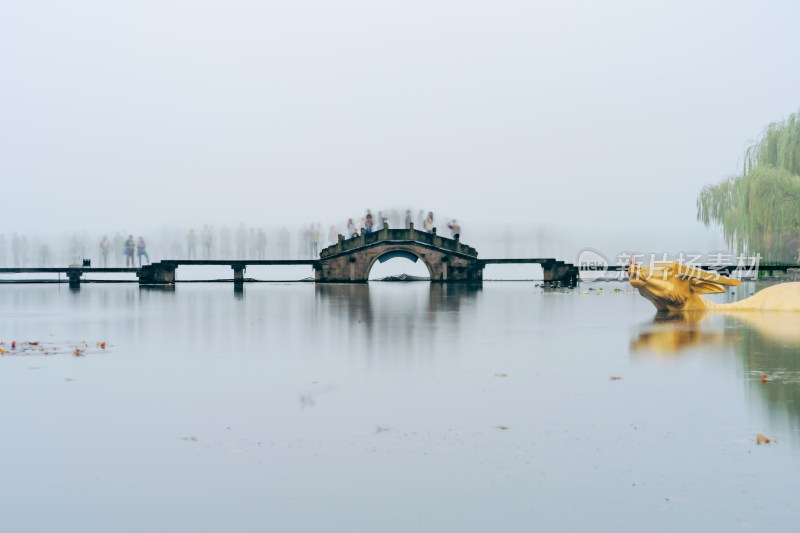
(350, 260)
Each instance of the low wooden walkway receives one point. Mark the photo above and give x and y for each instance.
(559, 272)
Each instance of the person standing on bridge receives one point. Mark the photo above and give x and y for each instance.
(105, 247)
(130, 245)
(261, 244)
(316, 238)
(15, 246)
(455, 229)
(428, 224)
(351, 228)
(368, 222)
(140, 250)
(191, 244)
(208, 241)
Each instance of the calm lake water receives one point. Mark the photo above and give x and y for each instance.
(392, 407)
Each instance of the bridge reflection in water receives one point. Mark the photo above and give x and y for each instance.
(405, 313)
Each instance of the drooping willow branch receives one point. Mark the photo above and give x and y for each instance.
(759, 210)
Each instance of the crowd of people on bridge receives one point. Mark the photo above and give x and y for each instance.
(129, 248)
(203, 242)
(393, 219)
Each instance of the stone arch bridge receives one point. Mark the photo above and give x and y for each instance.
(350, 260)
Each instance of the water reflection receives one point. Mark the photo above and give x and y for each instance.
(452, 297)
(673, 333)
(157, 288)
(398, 315)
(296, 389)
(767, 343)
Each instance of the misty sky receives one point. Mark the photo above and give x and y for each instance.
(596, 117)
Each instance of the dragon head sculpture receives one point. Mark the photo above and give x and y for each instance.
(673, 286)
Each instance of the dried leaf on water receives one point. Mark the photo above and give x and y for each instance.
(761, 439)
(501, 375)
(78, 353)
(501, 427)
(614, 378)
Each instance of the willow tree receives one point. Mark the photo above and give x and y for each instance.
(759, 209)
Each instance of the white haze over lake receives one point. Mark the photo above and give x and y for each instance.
(596, 122)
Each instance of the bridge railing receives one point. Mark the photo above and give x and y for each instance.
(387, 234)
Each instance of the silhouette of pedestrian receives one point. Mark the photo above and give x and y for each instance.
(428, 224)
(208, 240)
(130, 246)
(140, 250)
(15, 248)
(261, 240)
(191, 244)
(455, 229)
(105, 247)
(368, 222)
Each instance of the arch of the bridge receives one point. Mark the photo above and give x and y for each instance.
(393, 251)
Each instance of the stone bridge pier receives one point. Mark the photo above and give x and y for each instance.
(560, 273)
(157, 273)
